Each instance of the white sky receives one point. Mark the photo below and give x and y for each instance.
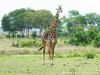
(83, 6)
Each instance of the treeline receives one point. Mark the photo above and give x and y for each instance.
(80, 29)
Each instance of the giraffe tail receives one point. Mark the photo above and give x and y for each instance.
(40, 48)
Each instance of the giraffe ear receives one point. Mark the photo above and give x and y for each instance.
(61, 8)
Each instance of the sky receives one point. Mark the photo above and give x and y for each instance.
(83, 6)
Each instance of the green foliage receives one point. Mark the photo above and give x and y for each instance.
(25, 19)
(42, 18)
(73, 54)
(97, 41)
(58, 55)
(92, 32)
(8, 36)
(85, 37)
(73, 13)
(90, 18)
(27, 43)
(73, 41)
(82, 38)
(90, 55)
(34, 34)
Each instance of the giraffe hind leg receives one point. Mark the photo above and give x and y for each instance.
(53, 47)
(51, 53)
(44, 44)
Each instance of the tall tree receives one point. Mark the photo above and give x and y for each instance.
(97, 20)
(90, 18)
(81, 20)
(42, 19)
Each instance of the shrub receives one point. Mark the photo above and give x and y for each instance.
(34, 34)
(18, 35)
(83, 38)
(15, 44)
(97, 41)
(73, 41)
(65, 42)
(73, 54)
(27, 43)
(8, 36)
(92, 32)
(90, 55)
(59, 55)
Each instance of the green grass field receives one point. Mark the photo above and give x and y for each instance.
(32, 65)
(69, 60)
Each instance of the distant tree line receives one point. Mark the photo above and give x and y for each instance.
(80, 29)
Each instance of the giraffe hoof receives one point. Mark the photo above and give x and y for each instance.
(52, 63)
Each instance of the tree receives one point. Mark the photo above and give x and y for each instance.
(9, 21)
(97, 20)
(6, 23)
(90, 18)
(42, 19)
(73, 13)
(25, 19)
(81, 20)
(92, 32)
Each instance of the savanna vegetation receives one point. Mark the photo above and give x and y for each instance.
(77, 51)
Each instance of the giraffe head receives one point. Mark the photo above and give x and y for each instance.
(59, 9)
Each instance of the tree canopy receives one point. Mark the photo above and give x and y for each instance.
(24, 19)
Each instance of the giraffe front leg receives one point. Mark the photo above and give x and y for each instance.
(52, 56)
(50, 52)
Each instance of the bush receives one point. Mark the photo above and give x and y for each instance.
(90, 55)
(73, 41)
(18, 35)
(97, 41)
(27, 43)
(73, 54)
(59, 55)
(92, 32)
(8, 36)
(65, 42)
(34, 34)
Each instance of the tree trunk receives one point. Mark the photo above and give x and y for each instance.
(41, 32)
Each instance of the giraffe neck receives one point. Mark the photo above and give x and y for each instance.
(57, 14)
(55, 21)
(54, 24)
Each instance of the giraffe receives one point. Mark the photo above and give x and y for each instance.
(49, 38)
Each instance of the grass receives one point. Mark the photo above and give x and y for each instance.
(32, 65)
(69, 60)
